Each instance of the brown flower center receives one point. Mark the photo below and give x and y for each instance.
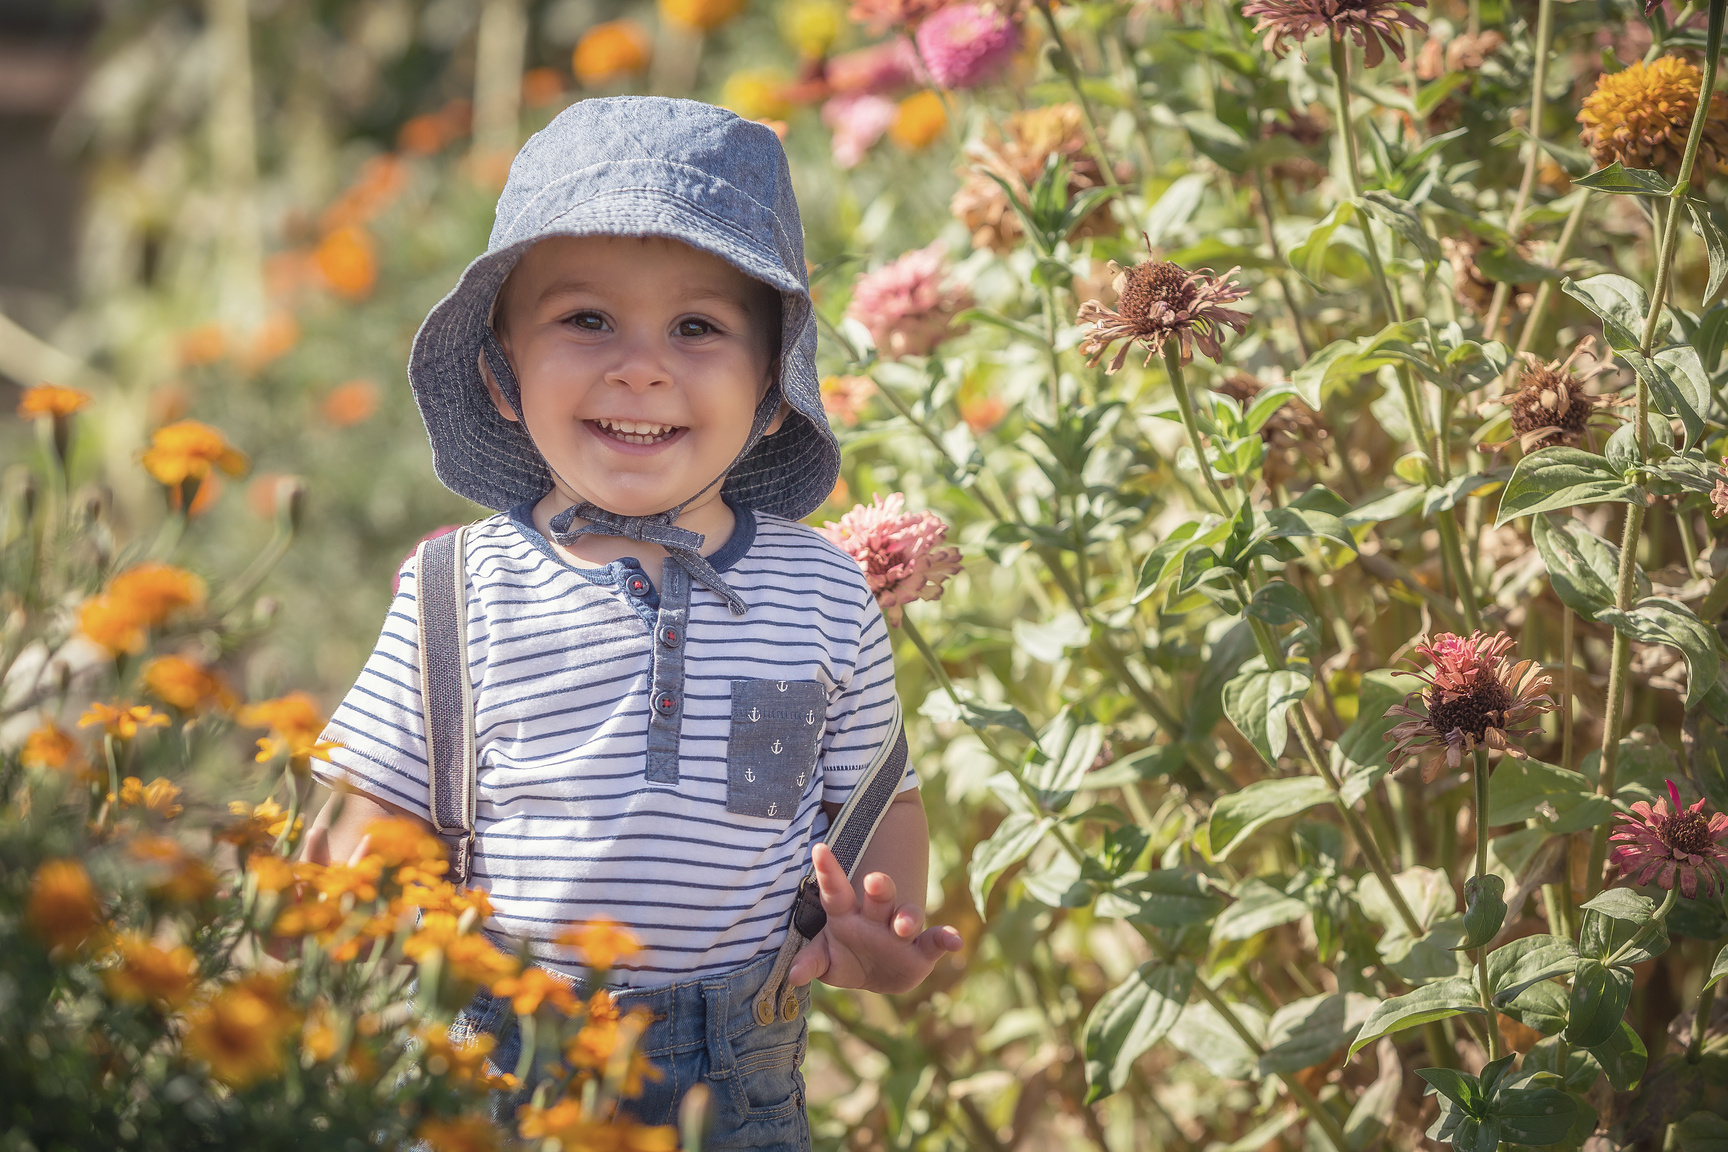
(1551, 398)
(1155, 282)
(1686, 832)
(1472, 713)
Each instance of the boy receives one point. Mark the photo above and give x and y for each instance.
(627, 375)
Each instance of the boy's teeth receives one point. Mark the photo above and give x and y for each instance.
(636, 431)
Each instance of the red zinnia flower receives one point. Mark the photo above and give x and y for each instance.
(1664, 845)
(1474, 696)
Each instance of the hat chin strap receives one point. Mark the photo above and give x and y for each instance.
(659, 528)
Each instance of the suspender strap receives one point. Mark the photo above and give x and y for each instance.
(446, 692)
(847, 838)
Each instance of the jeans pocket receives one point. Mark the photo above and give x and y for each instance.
(766, 1082)
(771, 749)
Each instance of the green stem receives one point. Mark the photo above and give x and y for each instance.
(1452, 549)
(1172, 351)
(1482, 988)
(1614, 705)
(1070, 69)
(1309, 1104)
(1538, 82)
(1700, 1024)
(1646, 929)
(1267, 229)
(1568, 628)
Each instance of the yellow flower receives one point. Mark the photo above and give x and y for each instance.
(348, 260)
(918, 120)
(609, 52)
(52, 400)
(811, 26)
(701, 15)
(187, 450)
(295, 725)
(138, 599)
(51, 746)
(462, 1134)
(186, 684)
(240, 1032)
(62, 908)
(578, 1131)
(120, 722)
(334, 881)
(1641, 116)
(273, 873)
(464, 1062)
(756, 94)
(157, 796)
(145, 972)
(601, 942)
(534, 987)
(470, 957)
(175, 874)
(259, 823)
(397, 841)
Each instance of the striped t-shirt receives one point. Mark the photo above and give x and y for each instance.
(571, 823)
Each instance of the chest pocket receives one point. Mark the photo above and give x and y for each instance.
(771, 750)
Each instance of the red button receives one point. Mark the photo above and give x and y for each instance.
(638, 585)
(670, 637)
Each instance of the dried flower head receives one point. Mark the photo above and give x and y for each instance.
(1551, 406)
(898, 551)
(1667, 845)
(1371, 23)
(1475, 696)
(908, 304)
(963, 45)
(1027, 141)
(1158, 301)
(1641, 116)
(1295, 432)
(1460, 53)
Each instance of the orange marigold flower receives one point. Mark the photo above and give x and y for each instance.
(259, 823)
(464, 1062)
(534, 987)
(334, 881)
(240, 1033)
(62, 908)
(700, 15)
(146, 973)
(157, 796)
(470, 956)
(611, 51)
(176, 875)
(273, 873)
(601, 942)
(138, 599)
(918, 120)
(52, 400)
(541, 86)
(321, 1037)
(51, 746)
(398, 840)
(349, 404)
(187, 450)
(380, 181)
(120, 722)
(566, 1122)
(347, 258)
(467, 1134)
(983, 413)
(317, 918)
(295, 725)
(204, 344)
(186, 684)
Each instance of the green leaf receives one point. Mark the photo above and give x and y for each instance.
(1714, 242)
(1291, 522)
(1561, 800)
(1172, 898)
(1460, 1088)
(1279, 602)
(1405, 220)
(1619, 302)
(1375, 1108)
(1658, 620)
(1623, 181)
(1257, 702)
(1599, 999)
(1236, 816)
(1484, 911)
(1583, 568)
(1622, 1058)
(1305, 1032)
(1612, 919)
(1523, 963)
(1534, 1116)
(1556, 478)
(1309, 257)
(1065, 752)
(1174, 207)
(1016, 836)
(1129, 1019)
(1507, 267)
(1452, 996)
(1541, 1006)
(1719, 969)
(1360, 756)
(1203, 1034)
(1259, 907)
(941, 707)
(1702, 1132)
(1678, 386)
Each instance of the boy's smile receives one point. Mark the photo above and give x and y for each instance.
(641, 363)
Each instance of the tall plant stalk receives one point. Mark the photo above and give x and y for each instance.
(1614, 706)
(1538, 96)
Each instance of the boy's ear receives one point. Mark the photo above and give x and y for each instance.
(494, 391)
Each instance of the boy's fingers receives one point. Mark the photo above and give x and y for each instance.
(812, 961)
(879, 894)
(908, 921)
(939, 940)
(838, 899)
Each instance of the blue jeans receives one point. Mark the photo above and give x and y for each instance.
(703, 1032)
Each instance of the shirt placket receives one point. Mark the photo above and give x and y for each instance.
(666, 711)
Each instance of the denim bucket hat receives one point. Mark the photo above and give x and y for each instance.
(632, 166)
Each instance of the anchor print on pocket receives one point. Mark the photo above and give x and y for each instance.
(771, 750)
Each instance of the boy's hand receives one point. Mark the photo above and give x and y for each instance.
(877, 945)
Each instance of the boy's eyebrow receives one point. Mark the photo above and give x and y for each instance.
(570, 285)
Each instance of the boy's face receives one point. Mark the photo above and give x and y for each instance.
(641, 362)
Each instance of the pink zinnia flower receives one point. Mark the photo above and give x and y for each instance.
(1665, 845)
(906, 305)
(1370, 23)
(858, 120)
(1474, 696)
(965, 44)
(878, 69)
(897, 551)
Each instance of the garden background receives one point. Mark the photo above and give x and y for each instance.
(1433, 292)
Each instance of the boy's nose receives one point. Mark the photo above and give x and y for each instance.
(640, 364)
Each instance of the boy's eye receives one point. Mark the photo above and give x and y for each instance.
(589, 321)
(693, 328)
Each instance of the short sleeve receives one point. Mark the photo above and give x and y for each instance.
(379, 724)
(864, 715)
